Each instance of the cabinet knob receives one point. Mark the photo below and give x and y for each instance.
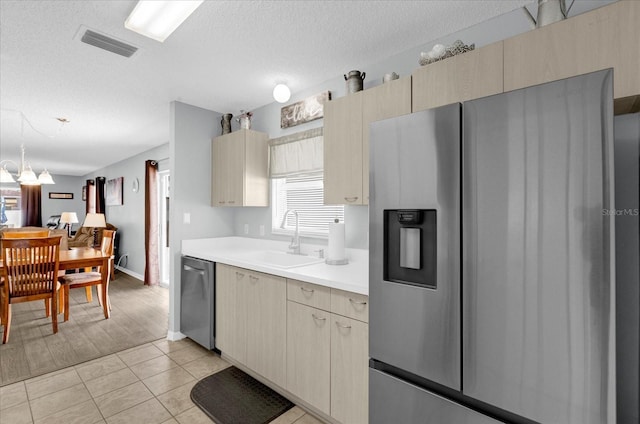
(351, 199)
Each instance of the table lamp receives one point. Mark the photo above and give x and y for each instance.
(69, 218)
(95, 220)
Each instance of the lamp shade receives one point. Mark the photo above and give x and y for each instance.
(96, 220)
(69, 218)
(45, 178)
(5, 176)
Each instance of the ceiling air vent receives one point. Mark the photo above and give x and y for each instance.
(106, 43)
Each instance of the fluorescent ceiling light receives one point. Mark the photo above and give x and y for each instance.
(158, 19)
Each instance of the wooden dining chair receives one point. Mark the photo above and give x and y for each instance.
(18, 235)
(30, 273)
(88, 279)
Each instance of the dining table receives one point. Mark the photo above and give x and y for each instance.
(87, 257)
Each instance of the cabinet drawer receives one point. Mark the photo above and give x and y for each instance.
(309, 294)
(349, 304)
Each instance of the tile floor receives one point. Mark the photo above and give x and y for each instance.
(148, 384)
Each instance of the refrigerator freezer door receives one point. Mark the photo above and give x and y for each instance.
(415, 165)
(537, 256)
(395, 401)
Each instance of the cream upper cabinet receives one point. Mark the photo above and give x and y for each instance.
(349, 370)
(346, 138)
(384, 101)
(343, 150)
(240, 174)
(308, 355)
(606, 37)
(476, 73)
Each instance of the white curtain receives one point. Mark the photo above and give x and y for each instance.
(296, 154)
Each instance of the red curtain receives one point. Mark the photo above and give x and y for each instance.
(152, 263)
(31, 205)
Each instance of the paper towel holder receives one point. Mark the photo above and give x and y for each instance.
(336, 261)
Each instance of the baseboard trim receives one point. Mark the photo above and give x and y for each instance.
(173, 336)
(131, 273)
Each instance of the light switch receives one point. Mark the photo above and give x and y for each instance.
(186, 218)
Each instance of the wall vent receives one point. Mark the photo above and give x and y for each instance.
(106, 43)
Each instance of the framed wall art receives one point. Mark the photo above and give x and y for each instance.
(54, 195)
(114, 191)
(306, 110)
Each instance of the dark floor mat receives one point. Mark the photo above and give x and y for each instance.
(233, 397)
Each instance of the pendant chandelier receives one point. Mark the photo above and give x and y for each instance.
(25, 175)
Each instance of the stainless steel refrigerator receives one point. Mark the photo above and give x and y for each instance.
(492, 285)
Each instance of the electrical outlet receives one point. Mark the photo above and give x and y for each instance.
(246, 228)
(262, 230)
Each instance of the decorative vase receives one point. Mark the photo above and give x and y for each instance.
(549, 11)
(226, 123)
(354, 81)
(245, 120)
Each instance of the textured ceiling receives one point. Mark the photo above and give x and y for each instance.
(227, 56)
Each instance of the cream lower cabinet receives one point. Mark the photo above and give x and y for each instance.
(251, 320)
(328, 350)
(266, 298)
(349, 370)
(231, 311)
(308, 355)
(310, 340)
(239, 169)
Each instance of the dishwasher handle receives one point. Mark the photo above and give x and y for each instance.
(192, 269)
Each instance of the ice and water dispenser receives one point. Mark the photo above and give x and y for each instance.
(410, 246)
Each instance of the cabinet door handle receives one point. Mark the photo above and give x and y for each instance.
(342, 325)
(222, 202)
(304, 289)
(351, 199)
(317, 318)
(252, 278)
(356, 302)
(239, 274)
(231, 202)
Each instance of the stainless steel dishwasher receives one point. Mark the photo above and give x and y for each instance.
(197, 301)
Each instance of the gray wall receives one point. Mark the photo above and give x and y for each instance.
(129, 217)
(192, 129)
(63, 184)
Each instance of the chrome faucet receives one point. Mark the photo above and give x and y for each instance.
(294, 247)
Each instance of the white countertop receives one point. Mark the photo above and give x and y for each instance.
(236, 251)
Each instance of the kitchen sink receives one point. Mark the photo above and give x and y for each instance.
(281, 259)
